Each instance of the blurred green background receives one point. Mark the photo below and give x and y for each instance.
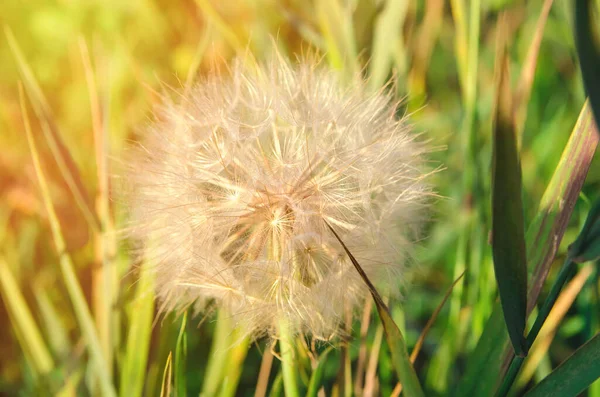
(102, 66)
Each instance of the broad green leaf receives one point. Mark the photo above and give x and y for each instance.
(399, 353)
(487, 363)
(508, 235)
(589, 56)
(180, 359)
(574, 375)
(133, 373)
(317, 376)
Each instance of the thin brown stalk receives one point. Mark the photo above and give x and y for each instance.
(417, 349)
(371, 375)
(523, 89)
(263, 374)
(550, 327)
(362, 352)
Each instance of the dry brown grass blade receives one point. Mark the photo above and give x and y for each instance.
(548, 331)
(371, 375)
(415, 353)
(523, 91)
(362, 350)
(417, 349)
(425, 42)
(263, 374)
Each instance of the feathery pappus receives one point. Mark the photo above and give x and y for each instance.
(228, 191)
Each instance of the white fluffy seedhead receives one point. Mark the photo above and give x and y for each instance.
(229, 190)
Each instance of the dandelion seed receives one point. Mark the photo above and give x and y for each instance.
(228, 192)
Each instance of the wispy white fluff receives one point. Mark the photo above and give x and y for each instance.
(228, 191)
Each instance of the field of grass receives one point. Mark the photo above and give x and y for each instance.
(82, 78)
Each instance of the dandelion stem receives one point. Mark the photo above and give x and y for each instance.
(288, 367)
(286, 345)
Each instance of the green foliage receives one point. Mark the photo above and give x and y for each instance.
(508, 235)
(78, 320)
(574, 375)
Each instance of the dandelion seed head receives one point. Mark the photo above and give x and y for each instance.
(229, 189)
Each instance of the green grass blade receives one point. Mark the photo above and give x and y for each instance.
(180, 359)
(400, 359)
(277, 386)
(548, 227)
(61, 154)
(487, 363)
(508, 235)
(133, 373)
(33, 344)
(165, 388)
(317, 376)
(425, 41)
(69, 388)
(53, 325)
(105, 279)
(574, 375)
(237, 355)
(335, 23)
(387, 30)
(216, 366)
(458, 9)
(213, 17)
(76, 295)
(589, 56)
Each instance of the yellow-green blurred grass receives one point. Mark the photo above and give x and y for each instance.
(93, 112)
